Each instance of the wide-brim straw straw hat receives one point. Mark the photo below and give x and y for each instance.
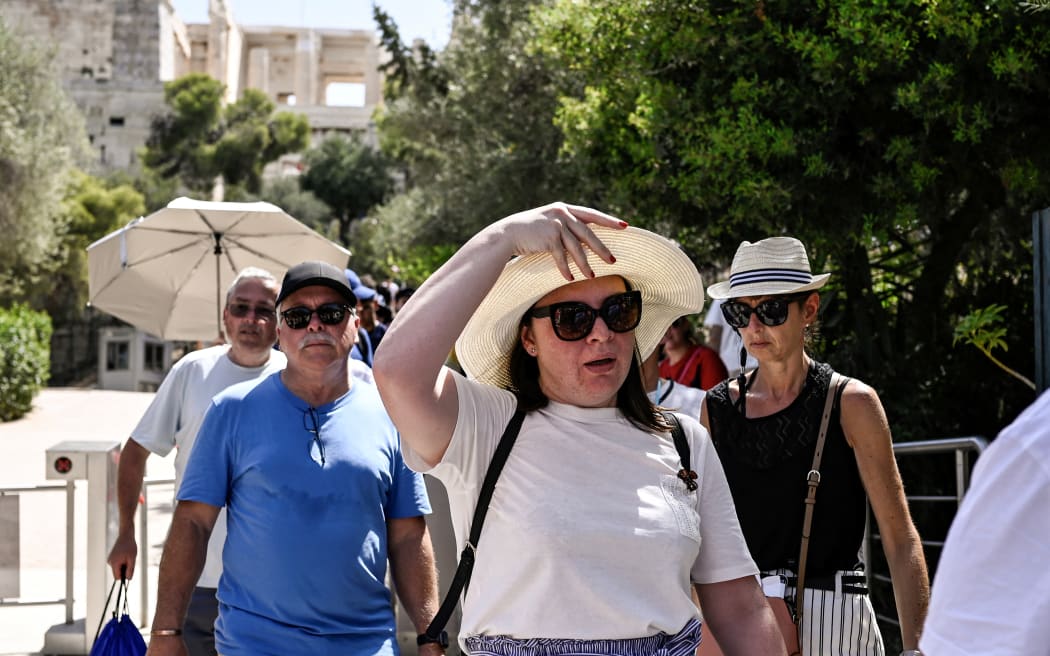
(669, 282)
(777, 265)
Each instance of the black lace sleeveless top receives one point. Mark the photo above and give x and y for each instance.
(766, 460)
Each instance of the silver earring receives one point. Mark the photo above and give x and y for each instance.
(532, 350)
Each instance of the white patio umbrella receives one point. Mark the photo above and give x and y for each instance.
(168, 273)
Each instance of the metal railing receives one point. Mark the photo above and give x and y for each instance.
(70, 489)
(143, 560)
(962, 448)
(68, 599)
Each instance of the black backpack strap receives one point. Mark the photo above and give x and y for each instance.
(681, 445)
(461, 580)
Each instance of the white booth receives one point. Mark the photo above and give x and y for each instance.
(131, 360)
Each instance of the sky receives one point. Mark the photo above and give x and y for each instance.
(425, 19)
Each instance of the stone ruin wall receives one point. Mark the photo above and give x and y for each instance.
(115, 55)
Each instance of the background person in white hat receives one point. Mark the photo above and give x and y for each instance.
(593, 540)
(764, 426)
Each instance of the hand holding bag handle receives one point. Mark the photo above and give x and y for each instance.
(122, 590)
(119, 636)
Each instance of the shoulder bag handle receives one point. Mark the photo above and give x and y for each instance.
(461, 580)
(836, 383)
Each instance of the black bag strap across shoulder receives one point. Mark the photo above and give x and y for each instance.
(681, 445)
(461, 580)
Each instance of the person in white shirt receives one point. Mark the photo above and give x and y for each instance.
(173, 419)
(726, 340)
(597, 531)
(991, 590)
(667, 393)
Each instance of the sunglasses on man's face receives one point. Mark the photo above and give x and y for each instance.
(330, 314)
(242, 310)
(771, 312)
(574, 320)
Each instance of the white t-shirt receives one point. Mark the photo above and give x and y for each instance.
(358, 370)
(590, 533)
(177, 412)
(676, 396)
(991, 590)
(729, 347)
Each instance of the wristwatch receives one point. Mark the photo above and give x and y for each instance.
(441, 639)
(911, 652)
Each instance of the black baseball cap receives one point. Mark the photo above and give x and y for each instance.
(308, 274)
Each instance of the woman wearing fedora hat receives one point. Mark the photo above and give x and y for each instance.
(598, 529)
(790, 436)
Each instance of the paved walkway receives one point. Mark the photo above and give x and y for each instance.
(65, 414)
(62, 414)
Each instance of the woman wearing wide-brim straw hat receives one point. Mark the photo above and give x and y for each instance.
(596, 532)
(765, 428)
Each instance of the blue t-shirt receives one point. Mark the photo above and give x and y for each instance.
(306, 546)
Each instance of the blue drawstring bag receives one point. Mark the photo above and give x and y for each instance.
(120, 636)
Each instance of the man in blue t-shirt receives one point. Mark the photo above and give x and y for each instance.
(309, 468)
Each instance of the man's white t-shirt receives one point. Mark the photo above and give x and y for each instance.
(590, 533)
(991, 590)
(676, 396)
(177, 412)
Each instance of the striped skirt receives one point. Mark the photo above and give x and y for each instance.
(682, 643)
(837, 618)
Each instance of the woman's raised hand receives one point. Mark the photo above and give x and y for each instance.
(561, 230)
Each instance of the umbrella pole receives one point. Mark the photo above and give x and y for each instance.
(218, 284)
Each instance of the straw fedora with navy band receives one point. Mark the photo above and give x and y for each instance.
(777, 265)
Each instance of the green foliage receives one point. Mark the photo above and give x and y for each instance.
(416, 264)
(473, 127)
(901, 141)
(349, 176)
(200, 139)
(408, 70)
(157, 191)
(379, 244)
(181, 142)
(984, 329)
(94, 207)
(284, 192)
(254, 136)
(41, 138)
(25, 354)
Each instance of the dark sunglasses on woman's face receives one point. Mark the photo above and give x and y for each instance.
(242, 310)
(772, 312)
(574, 320)
(330, 314)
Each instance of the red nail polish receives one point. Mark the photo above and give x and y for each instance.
(623, 224)
(612, 259)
